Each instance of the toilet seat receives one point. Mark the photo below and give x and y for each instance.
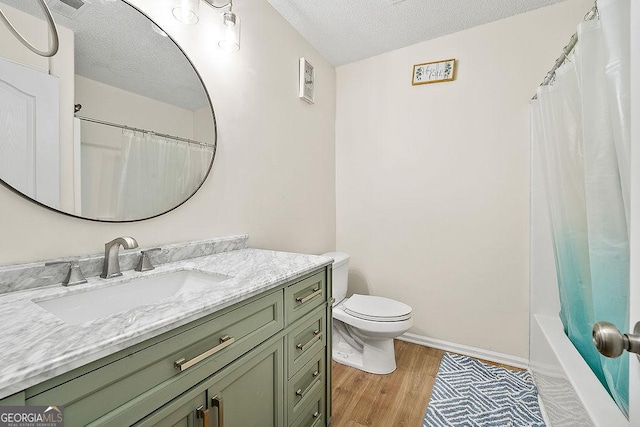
(377, 309)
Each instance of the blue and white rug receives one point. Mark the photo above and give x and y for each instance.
(468, 392)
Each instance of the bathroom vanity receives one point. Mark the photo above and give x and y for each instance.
(253, 349)
(217, 334)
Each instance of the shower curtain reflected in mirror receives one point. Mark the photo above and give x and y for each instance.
(581, 124)
(157, 173)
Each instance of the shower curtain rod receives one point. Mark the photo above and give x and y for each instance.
(592, 14)
(162, 135)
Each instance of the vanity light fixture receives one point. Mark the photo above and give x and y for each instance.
(230, 33)
(186, 11)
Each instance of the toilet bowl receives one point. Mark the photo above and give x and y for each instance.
(364, 326)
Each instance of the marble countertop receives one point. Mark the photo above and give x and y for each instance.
(36, 345)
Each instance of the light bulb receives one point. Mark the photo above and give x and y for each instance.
(230, 32)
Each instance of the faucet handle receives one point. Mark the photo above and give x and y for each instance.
(74, 276)
(145, 263)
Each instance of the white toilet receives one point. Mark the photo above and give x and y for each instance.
(364, 326)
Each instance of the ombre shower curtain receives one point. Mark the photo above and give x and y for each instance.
(581, 124)
(157, 174)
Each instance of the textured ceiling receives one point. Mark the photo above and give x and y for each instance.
(127, 53)
(347, 31)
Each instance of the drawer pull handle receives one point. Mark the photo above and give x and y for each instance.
(316, 335)
(316, 414)
(301, 393)
(204, 414)
(316, 292)
(184, 364)
(217, 402)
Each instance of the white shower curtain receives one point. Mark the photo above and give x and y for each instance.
(156, 174)
(581, 124)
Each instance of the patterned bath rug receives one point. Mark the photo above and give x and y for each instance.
(470, 393)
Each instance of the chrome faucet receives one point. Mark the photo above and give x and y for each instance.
(111, 266)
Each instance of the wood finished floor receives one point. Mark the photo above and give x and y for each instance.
(396, 400)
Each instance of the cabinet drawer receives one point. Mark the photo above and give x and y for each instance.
(13, 400)
(305, 384)
(247, 393)
(306, 340)
(311, 415)
(304, 296)
(102, 390)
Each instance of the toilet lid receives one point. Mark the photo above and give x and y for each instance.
(378, 309)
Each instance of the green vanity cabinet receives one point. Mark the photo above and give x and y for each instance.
(312, 415)
(13, 400)
(306, 339)
(184, 411)
(304, 296)
(305, 385)
(247, 393)
(122, 388)
(262, 362)
(308, 351)
(253, 395)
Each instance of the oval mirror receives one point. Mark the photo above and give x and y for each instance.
(116, 127)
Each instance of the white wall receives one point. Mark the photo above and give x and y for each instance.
(30, 28)
(273, 176)
(115, 105)
(433, 180)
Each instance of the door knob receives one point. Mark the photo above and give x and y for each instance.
(612, 343)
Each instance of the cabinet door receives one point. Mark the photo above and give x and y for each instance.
(247, 393)
(187, 410)
(251, 394)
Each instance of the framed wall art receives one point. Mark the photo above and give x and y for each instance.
(307, 81)
(434, 72)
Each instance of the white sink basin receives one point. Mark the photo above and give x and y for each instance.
(82, 307)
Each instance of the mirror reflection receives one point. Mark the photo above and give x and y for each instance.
(117, 126)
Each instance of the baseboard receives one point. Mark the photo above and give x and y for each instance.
(492, 356)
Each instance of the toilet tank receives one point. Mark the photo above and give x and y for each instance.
(340, 274)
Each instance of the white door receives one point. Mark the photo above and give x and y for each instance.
(634, 241)
(29, 132)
